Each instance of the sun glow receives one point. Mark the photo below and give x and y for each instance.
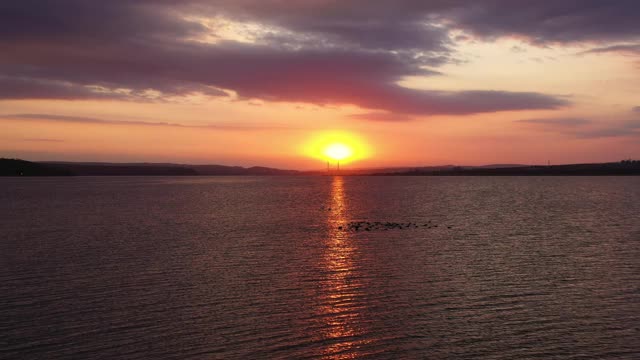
(340, 147)
(338, 151)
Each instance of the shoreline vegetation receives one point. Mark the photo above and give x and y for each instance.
(17, 167)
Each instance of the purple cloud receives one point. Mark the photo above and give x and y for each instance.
(19, 88)
(122, 49)
(549, 21)
(360, 78)
(540, 21)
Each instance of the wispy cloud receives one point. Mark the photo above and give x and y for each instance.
(90, 120)
(633, 49)
(557, 121)
(382, 117)
(585, 128)
(43, 140)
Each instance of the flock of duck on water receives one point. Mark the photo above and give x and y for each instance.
(387, 225)
(378, 225)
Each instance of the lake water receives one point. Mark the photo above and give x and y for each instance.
(258, 267)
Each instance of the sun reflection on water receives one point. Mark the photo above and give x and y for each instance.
(341, 297)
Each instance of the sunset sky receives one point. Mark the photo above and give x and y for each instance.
(255, 82)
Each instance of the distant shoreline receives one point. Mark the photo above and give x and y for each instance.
(604, 169)
(17, 167)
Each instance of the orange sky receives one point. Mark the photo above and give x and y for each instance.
(504, 98)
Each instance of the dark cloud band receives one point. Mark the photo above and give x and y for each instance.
(74, 49)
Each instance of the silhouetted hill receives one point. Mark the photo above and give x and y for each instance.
(406, 169)
(260, 170)
(497, 166)
(627, 167)
(127, 170)
(16, 167)
(237, 170)
(164, 169)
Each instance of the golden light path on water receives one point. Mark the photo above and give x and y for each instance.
(340, 308)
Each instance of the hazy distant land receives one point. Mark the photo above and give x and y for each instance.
(626, 167)
(16, 167)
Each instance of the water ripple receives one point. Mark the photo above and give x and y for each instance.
(236, 269)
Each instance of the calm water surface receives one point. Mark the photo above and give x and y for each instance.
(258, 267)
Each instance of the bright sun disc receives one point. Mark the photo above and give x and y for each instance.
(336, 146)
(338, 151)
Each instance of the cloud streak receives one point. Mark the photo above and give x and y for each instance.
(46, 140)
(382, 117)
(90, 120)
(586, 129)
(630, 49)
(565, 122)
